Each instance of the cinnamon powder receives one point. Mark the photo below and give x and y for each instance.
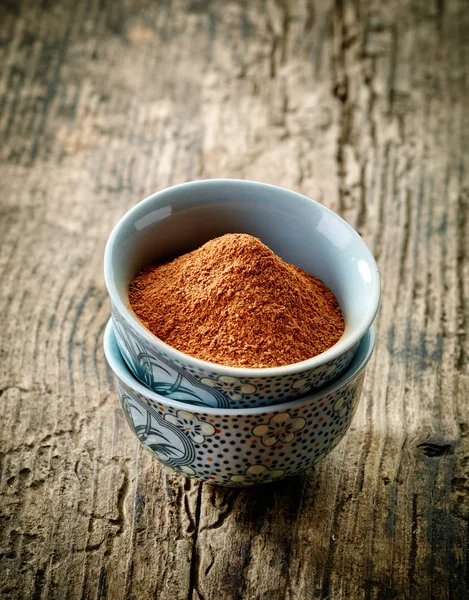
(234, 302)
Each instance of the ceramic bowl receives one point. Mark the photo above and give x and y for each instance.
(240, 447)
(299, 230)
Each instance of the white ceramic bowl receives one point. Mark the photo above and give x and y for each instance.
(299, 230)
(240, 447)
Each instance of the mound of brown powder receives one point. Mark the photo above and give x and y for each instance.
(234, 302)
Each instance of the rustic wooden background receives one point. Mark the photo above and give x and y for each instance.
(363, 105)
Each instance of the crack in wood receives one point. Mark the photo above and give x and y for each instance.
(361, 105)
(194, 587)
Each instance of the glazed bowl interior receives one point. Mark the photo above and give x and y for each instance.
(299, 230)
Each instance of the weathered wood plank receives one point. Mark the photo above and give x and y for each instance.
(362, 105)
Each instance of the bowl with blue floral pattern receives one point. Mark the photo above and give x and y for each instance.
(240, 447)
(298, 229)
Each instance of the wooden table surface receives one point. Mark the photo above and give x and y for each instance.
(363, 105)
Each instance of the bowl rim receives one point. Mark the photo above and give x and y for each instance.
(121, 371)
(346, 342)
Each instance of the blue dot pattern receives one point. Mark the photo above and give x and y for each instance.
(240, 451)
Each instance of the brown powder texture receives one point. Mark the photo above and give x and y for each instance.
(234, 302)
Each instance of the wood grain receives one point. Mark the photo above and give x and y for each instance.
(360, 104)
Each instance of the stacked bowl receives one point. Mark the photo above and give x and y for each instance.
(239, 426)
